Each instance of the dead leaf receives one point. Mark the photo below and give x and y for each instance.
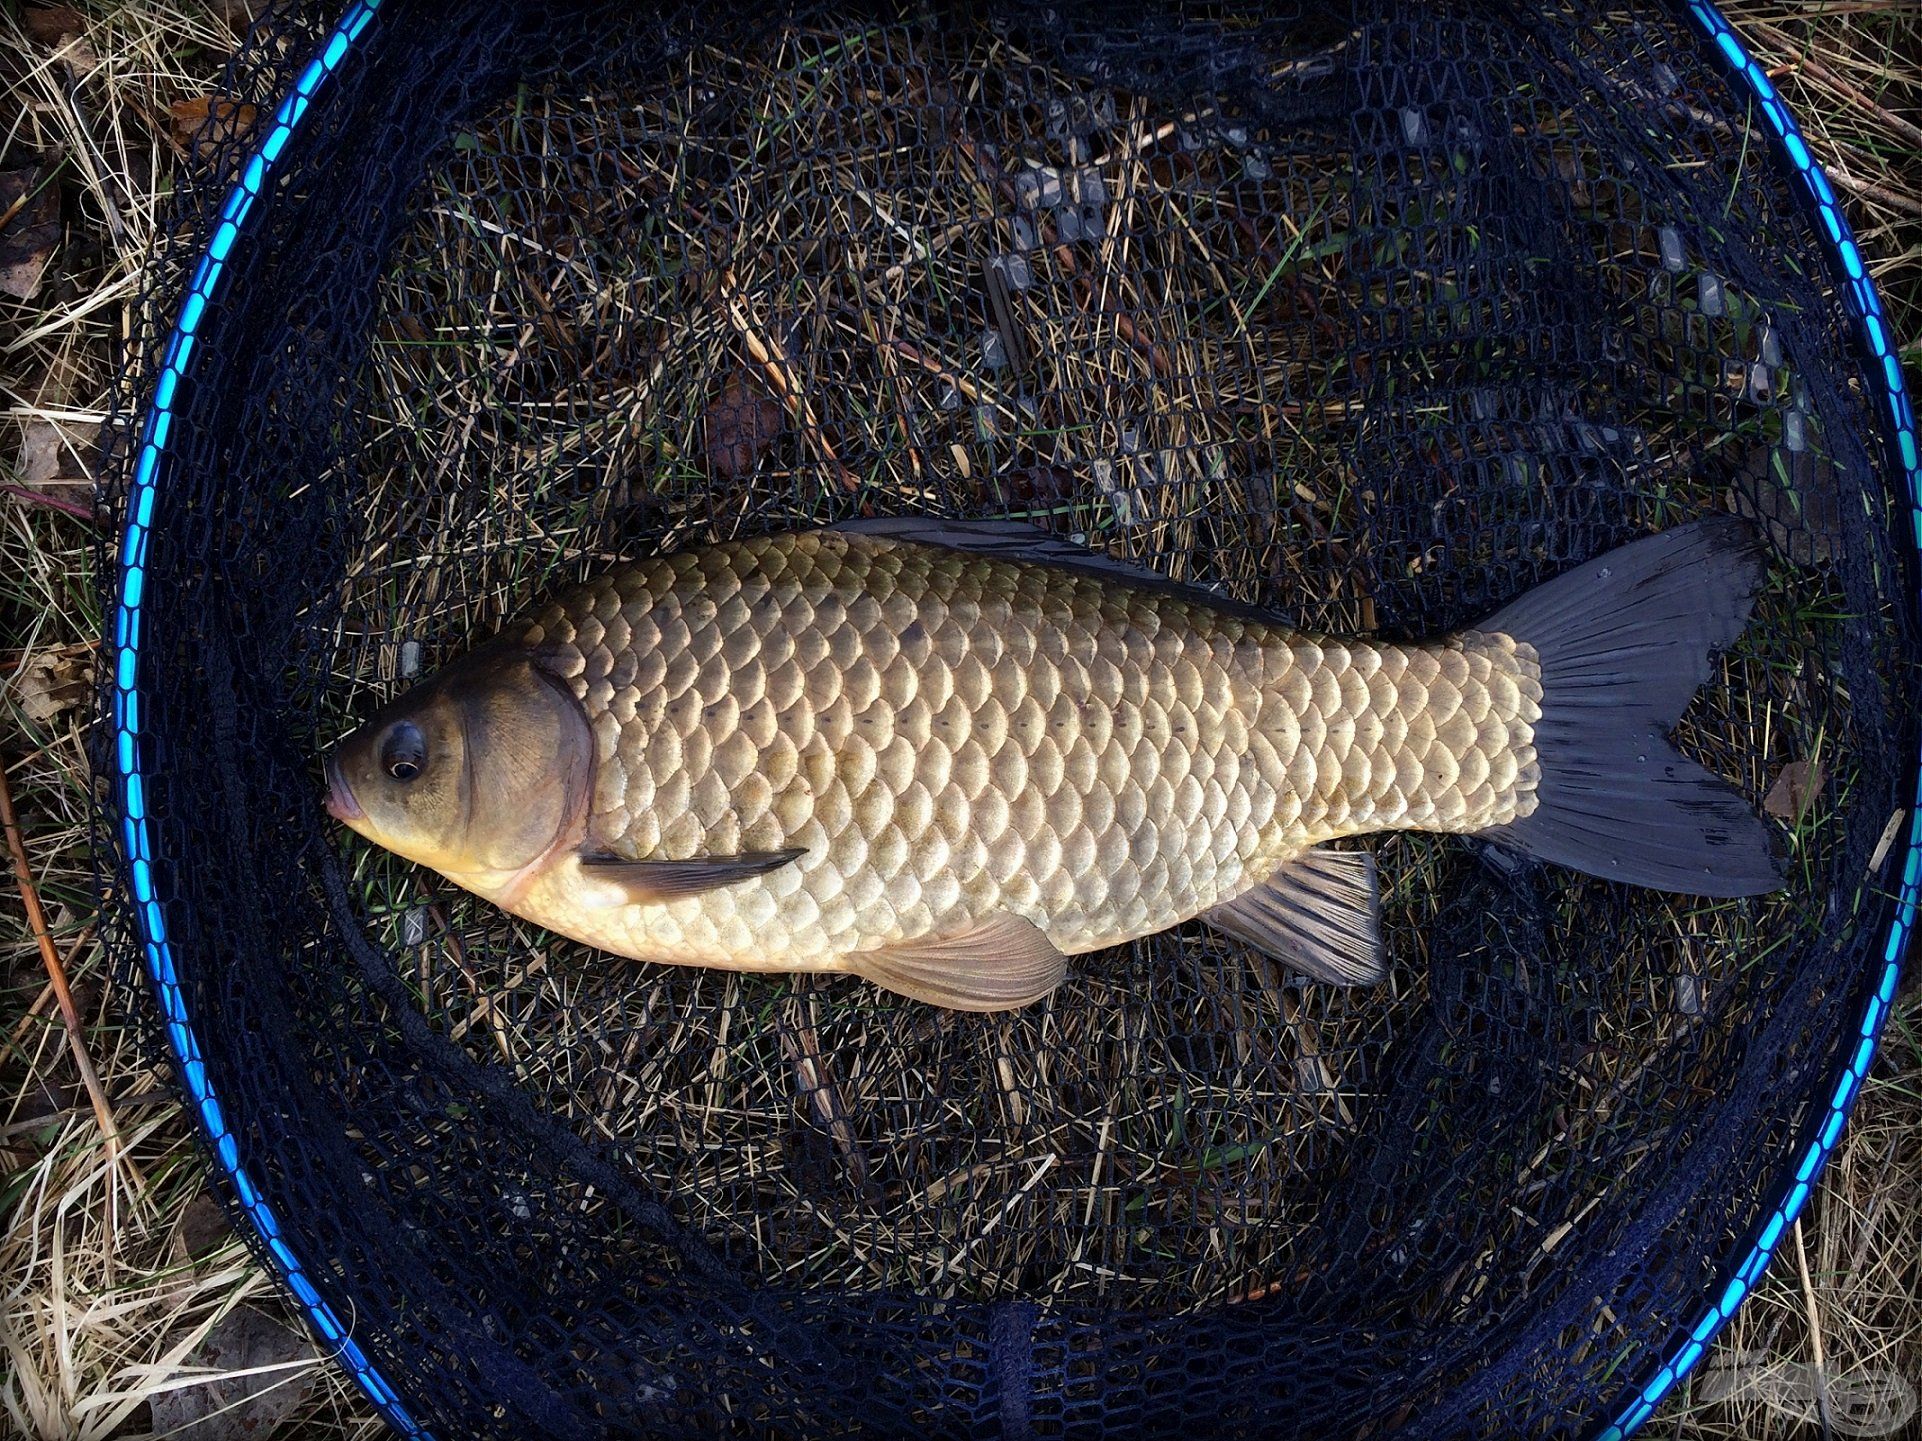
(51, 686)
(231, 120)
(203, 1228)
(80, 57)
(1798, 784)
(741, 423)
(1036, 487)
(30, 201)
(60, 28)
(39, 453)
(230, 1407)
(52, 24)
(54, 456)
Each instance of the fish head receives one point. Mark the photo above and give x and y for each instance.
(482, 772)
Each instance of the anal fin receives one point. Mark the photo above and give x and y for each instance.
(1319, 914)
(998, 964)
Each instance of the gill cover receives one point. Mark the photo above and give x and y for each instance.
(482, 773)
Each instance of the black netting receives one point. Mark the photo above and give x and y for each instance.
(1377, 318)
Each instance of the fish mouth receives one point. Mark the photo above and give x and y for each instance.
(341, 804)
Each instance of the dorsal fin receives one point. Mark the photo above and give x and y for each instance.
(1018, 540)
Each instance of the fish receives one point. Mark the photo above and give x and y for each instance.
(948, 756)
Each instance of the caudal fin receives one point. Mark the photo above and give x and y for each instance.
(1624, 642)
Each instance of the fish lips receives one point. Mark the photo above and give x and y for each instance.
(341, 804)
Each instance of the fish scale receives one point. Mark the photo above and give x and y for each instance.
(950, 736)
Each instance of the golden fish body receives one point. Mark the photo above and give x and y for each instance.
(947, 766)
(950, 737)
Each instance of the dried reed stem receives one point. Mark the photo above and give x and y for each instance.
(57, 978)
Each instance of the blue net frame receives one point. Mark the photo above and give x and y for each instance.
(1668, 1359)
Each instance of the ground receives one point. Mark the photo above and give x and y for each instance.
(121, 1288)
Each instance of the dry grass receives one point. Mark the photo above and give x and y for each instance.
(112, 1268)
(1852, 73)
(113, 1265)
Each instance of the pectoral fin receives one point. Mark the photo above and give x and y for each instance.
(998, 964)
(651, 882)
(1320, 914)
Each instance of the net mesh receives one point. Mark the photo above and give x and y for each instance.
(1377, 318)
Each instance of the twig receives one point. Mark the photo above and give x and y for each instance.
(57, 978)
(483, 1002)
(815, 1081)
(91, 153)
(1124, 324)
(52, 502)
(1001, 300)
(1815, 1335)
(785, 386)
(958, 379)
(1815, 68)
(1869, 190)
(1008, 1207)
(26, 196)
(891, 369)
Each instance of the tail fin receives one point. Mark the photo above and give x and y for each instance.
(1624, 643)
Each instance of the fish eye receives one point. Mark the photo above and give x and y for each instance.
(403, 754)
